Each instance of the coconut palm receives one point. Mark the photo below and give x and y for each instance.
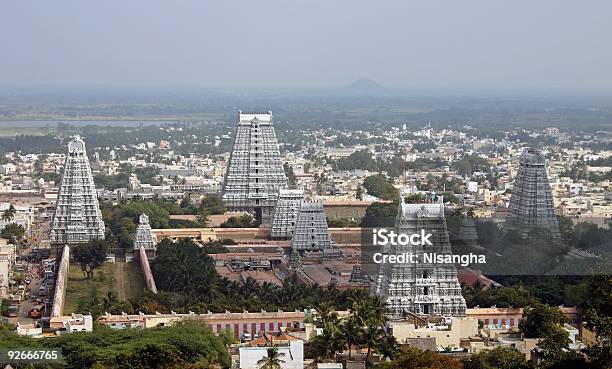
(371, 337)
(9, 213)
(352, 332)
(388, 347)
(272, 360)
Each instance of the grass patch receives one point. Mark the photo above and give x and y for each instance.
(135, 278)
(125, 280)
(79, 288)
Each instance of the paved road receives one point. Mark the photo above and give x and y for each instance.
(27, 304)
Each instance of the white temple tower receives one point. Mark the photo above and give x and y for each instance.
(77, 217)
(421, 288)
(255, 171)
(144, 237)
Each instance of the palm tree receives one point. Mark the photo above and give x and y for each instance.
(352, 333)
(9, 214)
(109, 301)
(272, 360)
(388, 347)
(372, 336)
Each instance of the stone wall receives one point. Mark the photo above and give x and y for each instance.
(60, 283)
(146, 270)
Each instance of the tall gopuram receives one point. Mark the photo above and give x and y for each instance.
(468, 234)
(311, 232)
(285, 214)
(425, 287)
(144, 237)
(531, 203)
(77, 217)
(255, 171)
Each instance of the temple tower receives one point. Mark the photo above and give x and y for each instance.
(77, 217)
(531, 203)
(255, 170)
(286, 213)
(468, 234)
(311, 232)
(424, 287)
(144, 237)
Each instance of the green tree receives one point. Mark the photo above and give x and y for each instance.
(414, 358)
(90, 256)
(497, 358)
(599, 319)
(272, 360)
(541, 320)
(242, 221)
(213, 204)
(378, 185)
(9, 213)
(13, 232)
(380, 214)
(184, 267)
(153, 356)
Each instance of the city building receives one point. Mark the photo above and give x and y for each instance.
(531, 204)
(286, 213)
(77, 217)
(424, 287)
(255, 171)
(446, 333)
(290, 348)
(236, 323)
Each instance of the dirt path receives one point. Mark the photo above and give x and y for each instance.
(121, 284)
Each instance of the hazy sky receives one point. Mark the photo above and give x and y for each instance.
(308, 43)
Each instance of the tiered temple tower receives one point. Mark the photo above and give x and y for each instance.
(255, 170)
(531, 204)
(77, 217)
(145, 237)
(469, 234)
(286, 213)
(421, 288)
(311, 232)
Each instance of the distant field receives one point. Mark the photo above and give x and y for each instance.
(125, 280)
(42, 120)
(14, 131)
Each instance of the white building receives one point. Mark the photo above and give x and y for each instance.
(291, 350)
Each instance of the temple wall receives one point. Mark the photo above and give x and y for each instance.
(60, 283)
(146, 270)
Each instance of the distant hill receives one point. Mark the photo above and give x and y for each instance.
(365, 85)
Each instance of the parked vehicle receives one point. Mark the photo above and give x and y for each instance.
(36, 311)
(13, 310)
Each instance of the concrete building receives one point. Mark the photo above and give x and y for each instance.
(291, 350)
(448, 333)
(236, 323)
(255, 171)
(72, 323)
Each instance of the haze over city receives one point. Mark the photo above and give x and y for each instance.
(309, 44)
(315, 184)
